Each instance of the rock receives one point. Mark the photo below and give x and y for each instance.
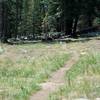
(1, 50)
(97, 98)
(83, 53)
(81, 99)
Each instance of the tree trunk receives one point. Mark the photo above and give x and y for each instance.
(17, 17)
(4, 22)
(74, 34)
(0, 20)
(90, 24)
(68, 26)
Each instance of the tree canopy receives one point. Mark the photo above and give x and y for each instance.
(31, 18)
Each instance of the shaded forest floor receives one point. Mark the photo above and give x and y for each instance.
(24, 69)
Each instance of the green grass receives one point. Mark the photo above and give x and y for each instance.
(82, 80)
(24, 67)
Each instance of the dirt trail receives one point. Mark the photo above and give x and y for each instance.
(56, 80)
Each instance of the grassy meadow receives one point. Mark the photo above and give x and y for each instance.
(82, 80)
(24, 67)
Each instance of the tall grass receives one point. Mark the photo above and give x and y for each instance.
(82, 80)
(24, 67)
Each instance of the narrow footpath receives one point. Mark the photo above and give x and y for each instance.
(56, 80)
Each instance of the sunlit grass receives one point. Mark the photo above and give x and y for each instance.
(82, 80)
(23, 67)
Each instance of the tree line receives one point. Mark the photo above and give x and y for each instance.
(28, 19)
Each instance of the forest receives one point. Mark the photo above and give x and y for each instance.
(47, 19)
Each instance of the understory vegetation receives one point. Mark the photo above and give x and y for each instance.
(23, 67)
(82, 80)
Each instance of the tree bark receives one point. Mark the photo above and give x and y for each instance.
(90, 24)
(68, 27)
(74, 34)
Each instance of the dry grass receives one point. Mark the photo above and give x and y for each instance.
(82, 80)
(24, 67)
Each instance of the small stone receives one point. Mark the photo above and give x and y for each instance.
(1, 50)
(97, 98)
(83, 53)
(81, 99)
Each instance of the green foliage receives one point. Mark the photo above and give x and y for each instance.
(33, 17)
(97, 21)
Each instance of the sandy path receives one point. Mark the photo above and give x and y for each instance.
(56, 80)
